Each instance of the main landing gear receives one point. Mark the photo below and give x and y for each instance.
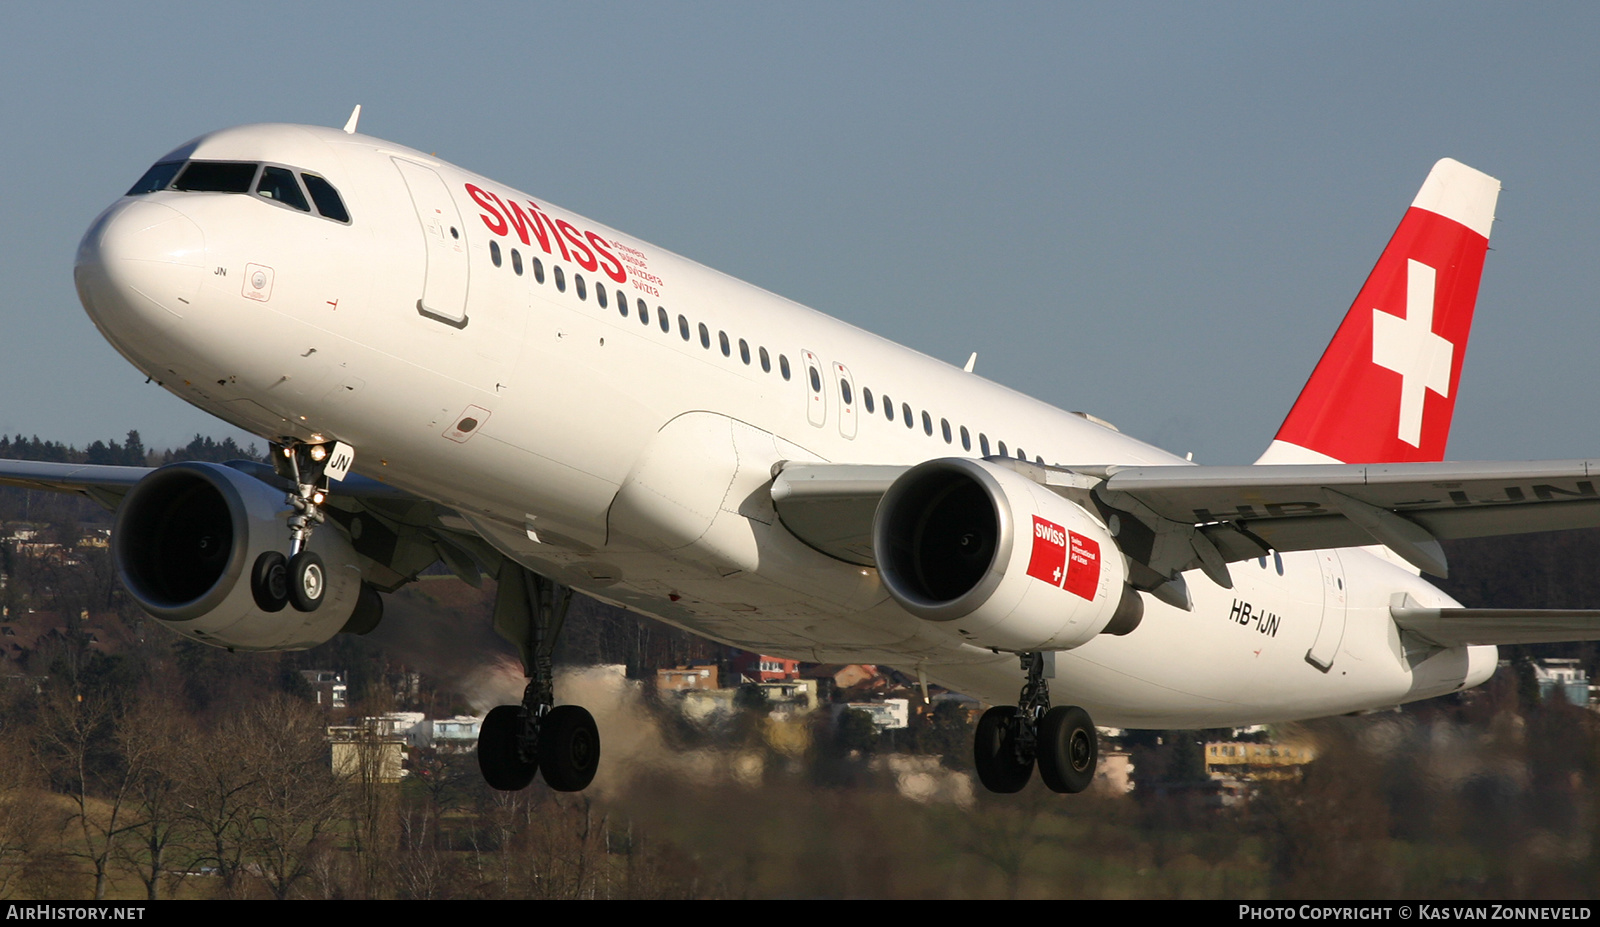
(517, 741)
(299, 578)
(1011, 740)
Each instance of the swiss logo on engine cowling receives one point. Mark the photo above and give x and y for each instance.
(1049, 560)
(1064, 559)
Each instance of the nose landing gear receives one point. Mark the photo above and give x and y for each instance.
(299, 577)
(1011, 740)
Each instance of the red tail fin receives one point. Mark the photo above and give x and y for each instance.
(1385, 389)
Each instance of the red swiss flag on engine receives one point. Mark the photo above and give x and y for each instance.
(1065, 559)
(1385, 389)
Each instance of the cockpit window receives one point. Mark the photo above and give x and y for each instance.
(278, 184)
(326, 198)
(216, 177)
(156, 178)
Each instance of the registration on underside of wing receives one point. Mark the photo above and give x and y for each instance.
(1407, 507)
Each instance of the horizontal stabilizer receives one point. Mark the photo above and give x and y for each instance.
(1460, 627)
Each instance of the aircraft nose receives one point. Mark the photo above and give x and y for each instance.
(141, 263)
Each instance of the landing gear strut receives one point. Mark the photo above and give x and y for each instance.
(1012, 740)
(516, 741)
(300, 578)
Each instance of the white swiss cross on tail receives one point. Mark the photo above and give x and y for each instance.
(1384, 391)
(1409, 347)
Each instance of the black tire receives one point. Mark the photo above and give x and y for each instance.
(1068, 749)
(994, 752)
(308, 581)
(269, 581)
(569, 748)
(498, 759)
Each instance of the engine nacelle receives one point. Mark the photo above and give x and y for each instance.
(185, 540)
(1016, 566)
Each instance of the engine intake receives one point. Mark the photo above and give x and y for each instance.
(1014, 565)
(184, 541)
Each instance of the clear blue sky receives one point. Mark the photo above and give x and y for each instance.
(1157, 213)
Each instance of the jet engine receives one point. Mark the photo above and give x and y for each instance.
(1013, 565)
(184, 543)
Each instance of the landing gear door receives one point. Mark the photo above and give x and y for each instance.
(444, 287)
(816, 389)
(1335, 600)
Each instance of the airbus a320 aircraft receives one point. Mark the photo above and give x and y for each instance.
(451, 370)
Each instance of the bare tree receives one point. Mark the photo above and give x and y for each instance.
(296, 798)
(21, 817)
(154, 730)
(78, 749)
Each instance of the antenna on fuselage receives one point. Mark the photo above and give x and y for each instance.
(971, 361)
(355, 116)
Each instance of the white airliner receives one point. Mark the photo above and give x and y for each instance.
(452, 370)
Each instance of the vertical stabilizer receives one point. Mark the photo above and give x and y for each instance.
(1385, 389)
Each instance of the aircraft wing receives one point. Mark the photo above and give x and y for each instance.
(1175, 518)
(1463, 627)
(104, 484)
(404, 534)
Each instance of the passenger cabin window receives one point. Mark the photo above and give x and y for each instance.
(766, 361)
(577, 283)
(783, 365)
(866, 397)
(516, 266)
(722, 338)
(156, 178)
(927, 423)
(494, 252)
(662, 320)
(844, 391)
(983, 443)
(683, 327)
(599, 293)
(705, 336)
(278, 184)
(744, 353)
(216, 177)
(538, 270)
(561, 278)
(644, 312)
(944, 425)
(326, 198)
(905, 413)
(966, 439)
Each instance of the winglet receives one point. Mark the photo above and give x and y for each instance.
(355, 117)
(1385, 389)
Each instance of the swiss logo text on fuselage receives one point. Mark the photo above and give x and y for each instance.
(527, 222)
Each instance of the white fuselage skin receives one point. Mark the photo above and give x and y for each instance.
(633, 463)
